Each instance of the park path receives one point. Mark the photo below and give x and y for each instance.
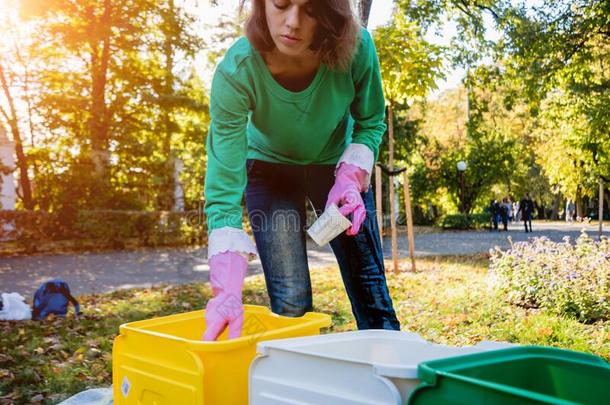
(107, 271)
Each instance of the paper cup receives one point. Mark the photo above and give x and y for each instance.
(328, 226)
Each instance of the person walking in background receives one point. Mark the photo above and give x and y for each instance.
(505, 209)
(570, 208)
(526, 208)
(509, 207)
(516, 213)
(494, 212)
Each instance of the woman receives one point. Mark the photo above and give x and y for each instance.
(297, 114)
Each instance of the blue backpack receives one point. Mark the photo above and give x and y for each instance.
(52, 297)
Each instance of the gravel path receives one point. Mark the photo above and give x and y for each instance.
(104, 272)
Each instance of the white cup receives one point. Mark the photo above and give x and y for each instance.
(328, 226)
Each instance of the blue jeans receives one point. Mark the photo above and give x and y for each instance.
(275, 196)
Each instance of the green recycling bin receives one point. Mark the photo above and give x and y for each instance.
(519, 375)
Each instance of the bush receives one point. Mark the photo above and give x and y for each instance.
(464, 221)
(28, 228)
(563, 278)
(103, 228)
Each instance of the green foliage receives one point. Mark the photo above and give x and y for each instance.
(410, 66)
(115, 103)
(558, 54)
(491, 132)
(465, 221)
(538, 111)
(470, 43)
(563, 278)
(565, 162)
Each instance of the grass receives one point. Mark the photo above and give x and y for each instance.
(446, 301)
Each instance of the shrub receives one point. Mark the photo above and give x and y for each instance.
(465, 221)
(562, 278)
(105, 228)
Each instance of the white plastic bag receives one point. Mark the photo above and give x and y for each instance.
(96, 396)
(14, 308)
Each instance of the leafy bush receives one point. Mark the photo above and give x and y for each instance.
(563, 278)
(465, 221)
(28, 228)
(106, 228)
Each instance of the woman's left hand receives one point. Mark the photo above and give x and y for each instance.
(345, 194)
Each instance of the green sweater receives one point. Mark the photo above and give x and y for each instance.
(254, 117)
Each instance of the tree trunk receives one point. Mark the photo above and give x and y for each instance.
(555, 211)
(579, 211)
(22, 164)
(100, 120)
(166, 198)
(364, 10)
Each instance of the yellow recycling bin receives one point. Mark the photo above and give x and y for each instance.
(162, 361)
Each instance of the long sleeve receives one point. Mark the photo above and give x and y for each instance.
(367, 108)
(225, 180)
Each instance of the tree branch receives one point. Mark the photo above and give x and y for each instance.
(492, 11)
(4, 114)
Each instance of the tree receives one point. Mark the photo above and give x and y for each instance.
(11, 79)
(82, 45)
(12, 119)
(470, 45)
(562, 48)
(559, 53)
(176, 38)
(409, 66)
(113, 87)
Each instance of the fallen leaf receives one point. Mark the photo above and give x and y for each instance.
(5, 358)
(546, 332)
(37, 398)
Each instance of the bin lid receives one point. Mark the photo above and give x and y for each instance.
(390, 353)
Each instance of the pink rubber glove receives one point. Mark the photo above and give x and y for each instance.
(227, 273)
(345, 194)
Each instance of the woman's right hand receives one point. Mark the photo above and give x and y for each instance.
(227, 273)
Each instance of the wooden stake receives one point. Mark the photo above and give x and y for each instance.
(409, 215)
(378, 201)
(392, 197)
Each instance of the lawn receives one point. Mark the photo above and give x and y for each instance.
(446, 301)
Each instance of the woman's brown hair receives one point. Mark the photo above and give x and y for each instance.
(335, 39)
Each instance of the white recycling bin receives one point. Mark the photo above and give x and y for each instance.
(361, 367)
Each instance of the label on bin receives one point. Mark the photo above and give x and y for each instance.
(125, 386)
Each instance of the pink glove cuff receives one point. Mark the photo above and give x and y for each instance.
(359, 155)
(354, 174)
